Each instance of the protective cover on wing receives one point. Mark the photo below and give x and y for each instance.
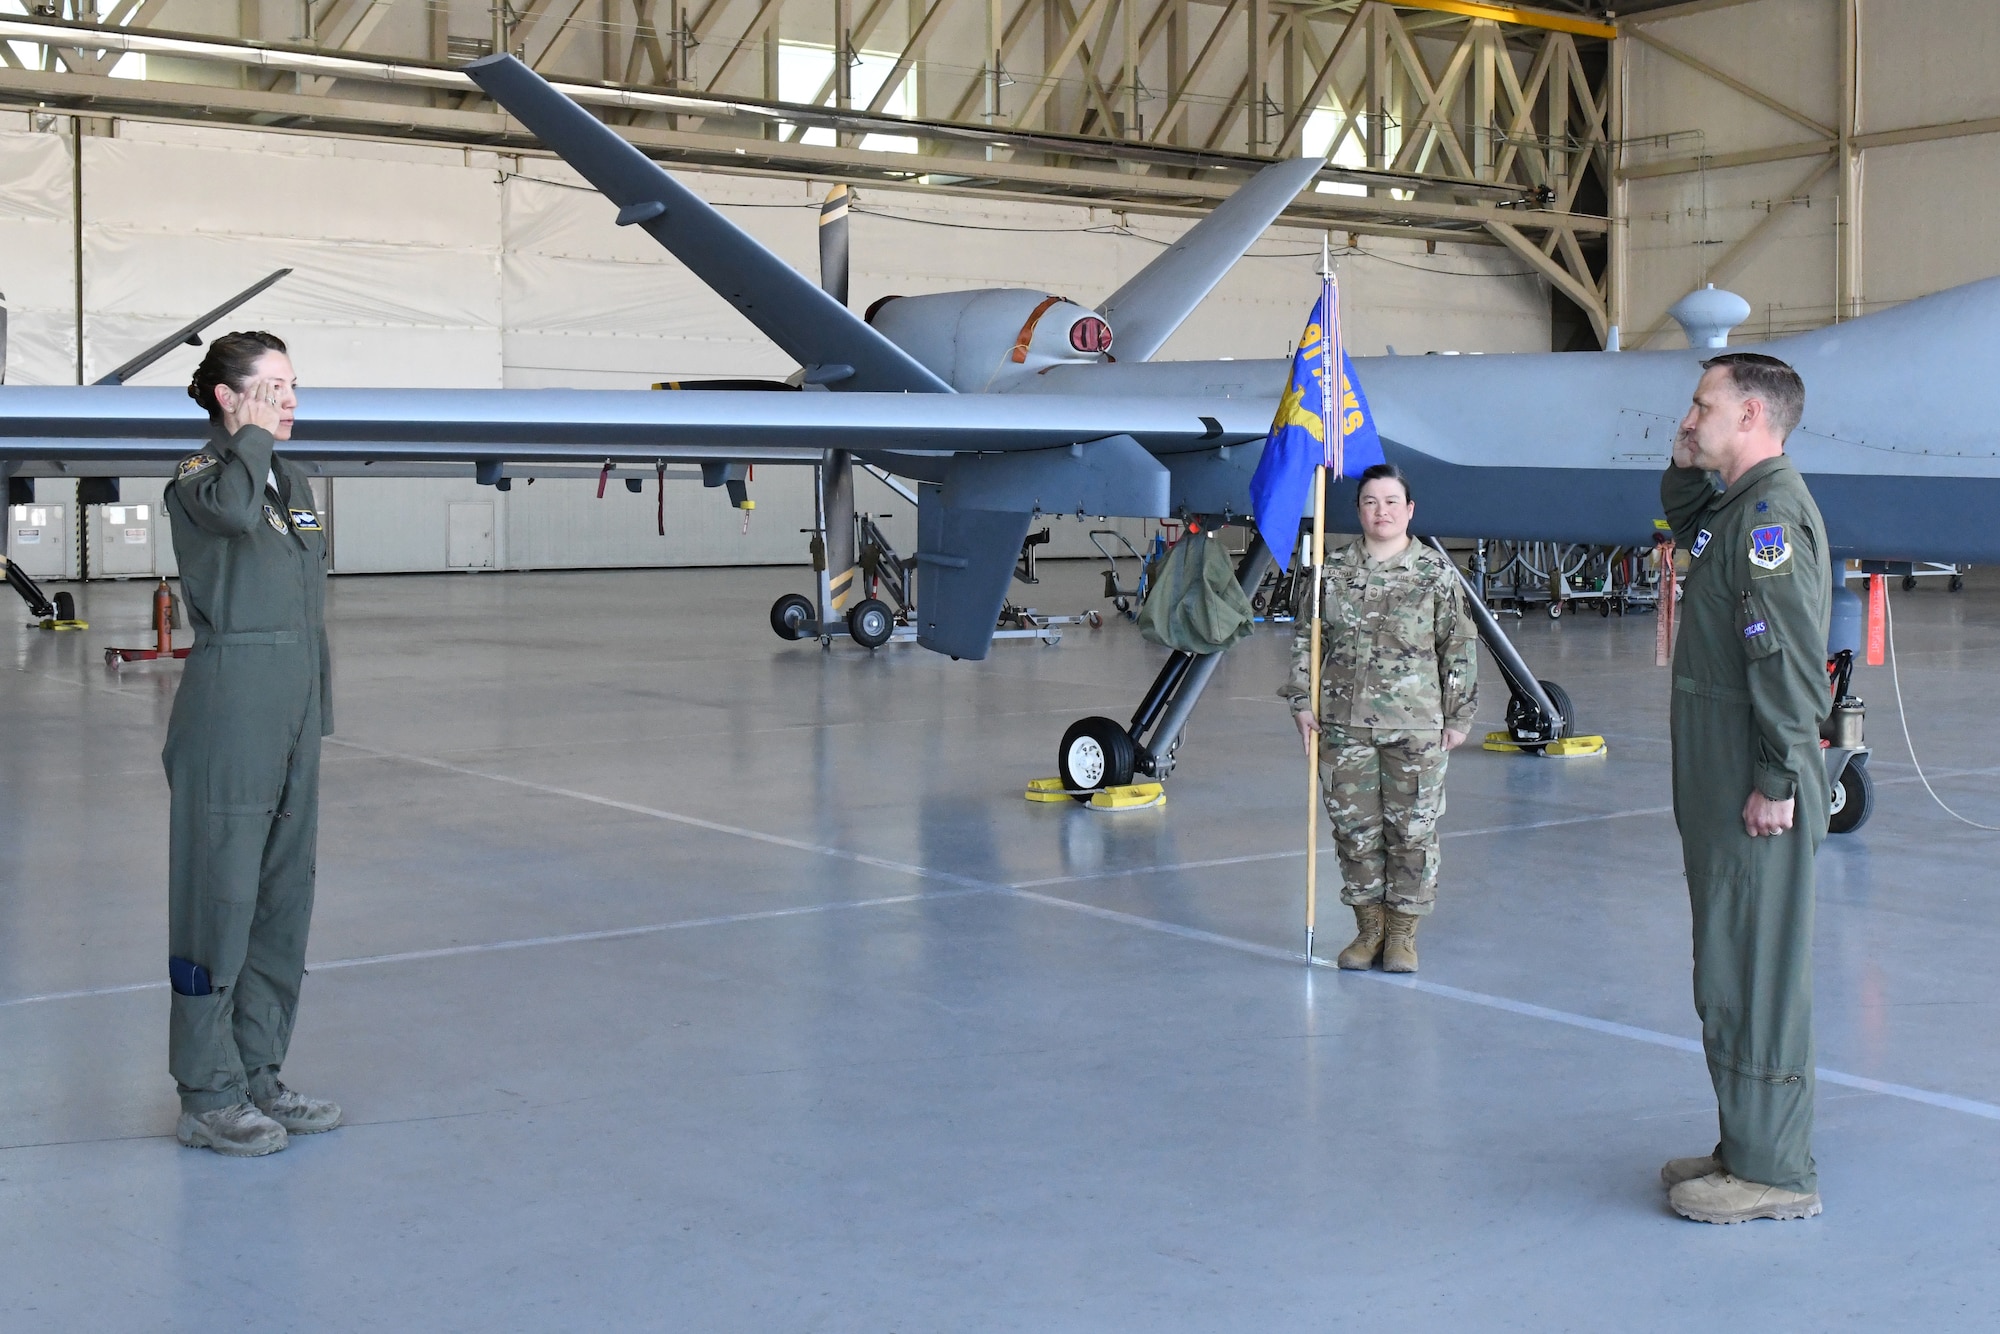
(836, 348)
(1145, 312)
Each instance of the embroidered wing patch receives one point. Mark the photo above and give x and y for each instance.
(306, 521)
(195, 463)
(1769, 550)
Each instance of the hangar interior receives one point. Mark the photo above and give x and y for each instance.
(676, 977)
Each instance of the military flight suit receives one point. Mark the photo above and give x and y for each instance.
(1750, 692)
(242, 759)
(1397, 667)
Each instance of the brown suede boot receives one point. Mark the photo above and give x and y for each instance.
(1399, 942)
(1359, 956)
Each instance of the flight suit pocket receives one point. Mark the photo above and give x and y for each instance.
(1760, 637)
(236, 839)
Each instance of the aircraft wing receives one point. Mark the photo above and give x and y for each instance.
(834, 345)
(583, 425)
(1144, 313)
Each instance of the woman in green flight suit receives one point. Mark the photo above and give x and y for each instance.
(242, 757)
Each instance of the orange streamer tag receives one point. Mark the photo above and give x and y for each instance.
(1878, 605)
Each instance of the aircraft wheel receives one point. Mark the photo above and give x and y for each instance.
(1528, 728)
(1096, 753)
(65, 607)
(1853, 799)
(793, 616)
(1909, 583)
(870, 622)
(1958, 583)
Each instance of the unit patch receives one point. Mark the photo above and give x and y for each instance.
(272, 517)
(1701, 540)
(306, 521)
(195, 463)
(1768, 548)
(1755, 628)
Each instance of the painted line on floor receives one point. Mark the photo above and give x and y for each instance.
(628, 932)
(675, 817)
(1526, 1009)
(537, 942)
(1249, 858)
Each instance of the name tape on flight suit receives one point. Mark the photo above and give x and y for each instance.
(1755, 628)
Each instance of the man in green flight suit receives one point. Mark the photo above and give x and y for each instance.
(242, 757)
(1750, 789)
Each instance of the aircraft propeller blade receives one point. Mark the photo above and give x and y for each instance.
(834, 345)
(189, 333)
(833, 243)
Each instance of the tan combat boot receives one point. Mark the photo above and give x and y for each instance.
(1399, 942)
(1721, 1197)
(1359, 956)
(1678, 1170)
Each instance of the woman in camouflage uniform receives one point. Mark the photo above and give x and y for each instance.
(1398, 687)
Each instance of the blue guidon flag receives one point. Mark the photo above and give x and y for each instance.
(1310, 431)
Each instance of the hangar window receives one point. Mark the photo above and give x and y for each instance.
(1327, 127)
(805, 74)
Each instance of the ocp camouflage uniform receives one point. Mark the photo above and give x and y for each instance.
(1397, 668)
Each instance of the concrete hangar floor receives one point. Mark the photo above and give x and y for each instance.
(677, 978)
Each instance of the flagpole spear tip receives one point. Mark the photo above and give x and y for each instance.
(1325, 255)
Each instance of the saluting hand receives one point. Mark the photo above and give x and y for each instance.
(258, 405)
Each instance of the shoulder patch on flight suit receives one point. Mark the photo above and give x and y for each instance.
(272, 517)
(1701, 541)
(1769, 549)
(195, 463)
(306, 521)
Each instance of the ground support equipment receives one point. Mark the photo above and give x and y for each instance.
(163, 634)
(1130, 797)
(1125, 599)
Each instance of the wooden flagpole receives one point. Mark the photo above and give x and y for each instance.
(1332, 418)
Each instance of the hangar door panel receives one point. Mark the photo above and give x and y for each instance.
(469, 543)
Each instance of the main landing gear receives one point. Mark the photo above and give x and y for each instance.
(1097, 753)
(1844, 746)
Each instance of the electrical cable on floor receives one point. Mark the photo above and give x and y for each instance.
(1896, 677)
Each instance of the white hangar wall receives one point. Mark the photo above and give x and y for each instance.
(1924, 110)
(417, 266)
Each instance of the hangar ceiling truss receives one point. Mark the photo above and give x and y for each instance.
(1441, 119)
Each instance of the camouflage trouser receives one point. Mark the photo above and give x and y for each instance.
(1385, 792)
